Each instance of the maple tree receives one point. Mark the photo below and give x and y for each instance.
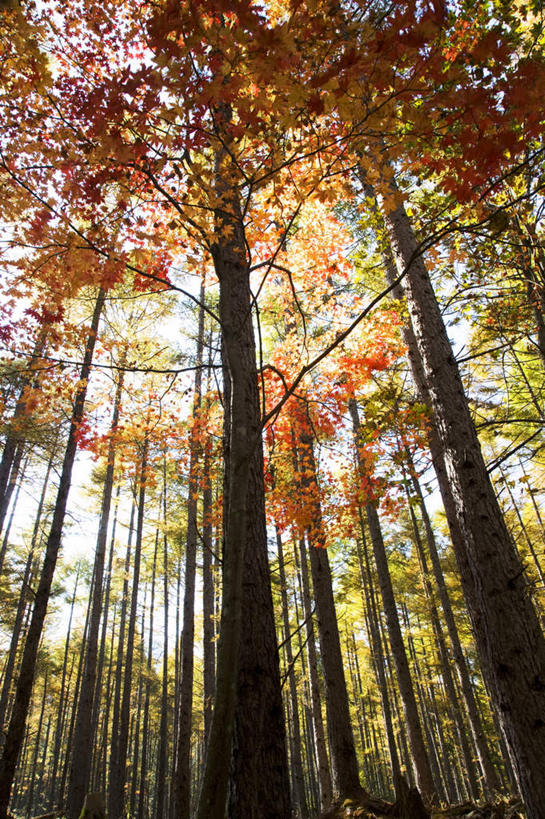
(145, 143)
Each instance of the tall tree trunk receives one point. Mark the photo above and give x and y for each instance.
(419, 753)
(97, 694)
(80, 766)
(63, 698)
(491, 779)
(457, 537)
(144, 788)
(118, 682)
(117, 782)
(181, 786)
(30, 794)
(377, 654)
(209, 664)
(15, 734)
(296, 758)
(247, 671)
(324, 774)
(512, 658)
(162, 753)
(344, 762)
(67, 744)
(444, 660)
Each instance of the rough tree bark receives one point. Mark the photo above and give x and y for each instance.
(247, 670)
(508, 635)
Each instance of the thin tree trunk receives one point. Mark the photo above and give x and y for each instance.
(72, 700)
(161, 787)
(80, 766)
(13, 476)
(491, 780)
(118, 772)
(377, 654)
(15, 734)
(344, 762)
(30, 794)
(11, 486)
(181, 786)
(144, 788)
(324, 774)
(97, 694)
(14, 644)
(209, 665)
(296, 759)
(452, 697)
(419, 753)
(59, 725)
(116, 717)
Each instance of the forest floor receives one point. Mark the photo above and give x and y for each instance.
(501, 809)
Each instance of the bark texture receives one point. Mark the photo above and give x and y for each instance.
(247, 680)
(496, 590)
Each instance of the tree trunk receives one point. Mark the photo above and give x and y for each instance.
(452, 696)
(419, 754)
(59, 725)
(209, 664)
(324, 774)
(496, 590)
(378, 655)
(181, 786)
(161, 788)
(80, 766)
(115, 731)
(144, 787)
(15, 636)
(247, 670)
(295, 744)
(14, 444)
(436, 449)
(15, 734)
(117, 782)
(344, 762)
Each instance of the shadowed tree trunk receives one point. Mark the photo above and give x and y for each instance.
(378, 654)
(495, 587)
(295, 744)
(248, 676)
(492, 782)
(162, 754)
(324, 774)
